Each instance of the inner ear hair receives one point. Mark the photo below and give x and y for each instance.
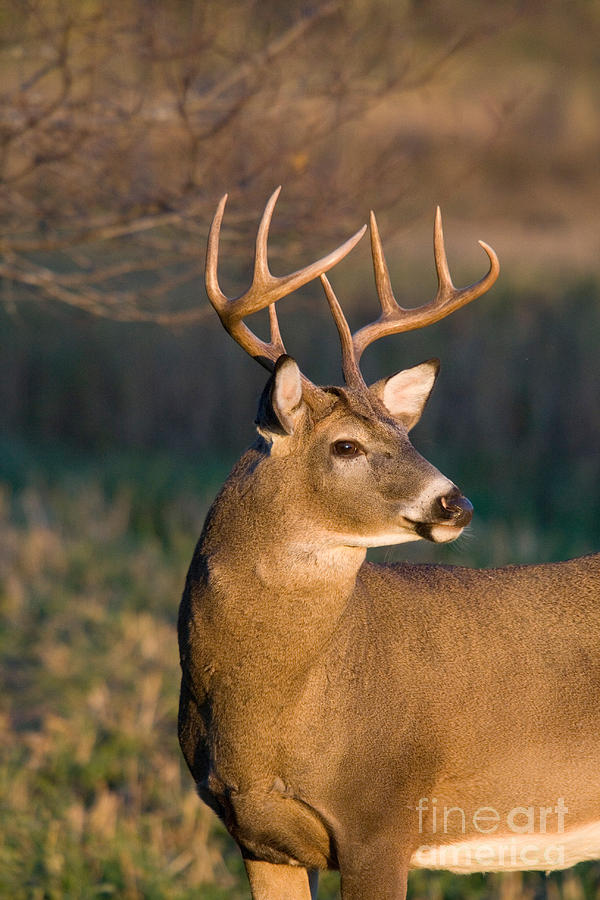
(405, 393)
(281, 401)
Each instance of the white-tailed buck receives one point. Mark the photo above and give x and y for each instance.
(372, 718)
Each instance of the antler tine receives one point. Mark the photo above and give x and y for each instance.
(445, 285)
(448, 297)
(352, 374)
(211, 280)
(262, 275)
(394, 318)
(265, 289)
(276, 339)
(389, 304)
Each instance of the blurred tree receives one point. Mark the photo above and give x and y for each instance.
(122, 123)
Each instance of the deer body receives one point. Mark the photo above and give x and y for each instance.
(340, 714)
(343, 698)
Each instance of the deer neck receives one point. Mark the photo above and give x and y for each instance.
(271, 579)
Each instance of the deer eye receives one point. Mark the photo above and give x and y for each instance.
(346, 449)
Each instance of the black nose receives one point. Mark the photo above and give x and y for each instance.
(456, 508)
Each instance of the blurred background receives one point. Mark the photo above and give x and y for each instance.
(123, 403)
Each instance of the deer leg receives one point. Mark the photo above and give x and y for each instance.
(374, 873)
(275, 882)
(374, 884)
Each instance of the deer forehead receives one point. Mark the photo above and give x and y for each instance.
(358, 416)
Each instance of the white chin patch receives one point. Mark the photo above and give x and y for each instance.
(439, 534)
(384, 540)
(443, 534)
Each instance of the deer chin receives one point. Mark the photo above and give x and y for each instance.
(404, 533)
(407, 531)
(443, 534)
(438, 532)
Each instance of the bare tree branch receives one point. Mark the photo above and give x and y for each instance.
(121, 126)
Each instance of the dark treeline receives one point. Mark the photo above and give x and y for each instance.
(514, 416)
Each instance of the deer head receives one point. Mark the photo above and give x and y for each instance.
(342, 455)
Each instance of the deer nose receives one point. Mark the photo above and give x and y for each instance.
(456, 508)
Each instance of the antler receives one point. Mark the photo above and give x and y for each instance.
(265, 289)
(394, 319)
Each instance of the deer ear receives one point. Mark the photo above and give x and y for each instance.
(405, 394)
(281, 403)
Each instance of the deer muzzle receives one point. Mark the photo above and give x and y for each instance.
(456, 509)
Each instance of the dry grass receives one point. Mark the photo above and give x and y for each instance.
(95, 798)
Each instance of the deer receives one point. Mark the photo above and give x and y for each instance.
(373, 718)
